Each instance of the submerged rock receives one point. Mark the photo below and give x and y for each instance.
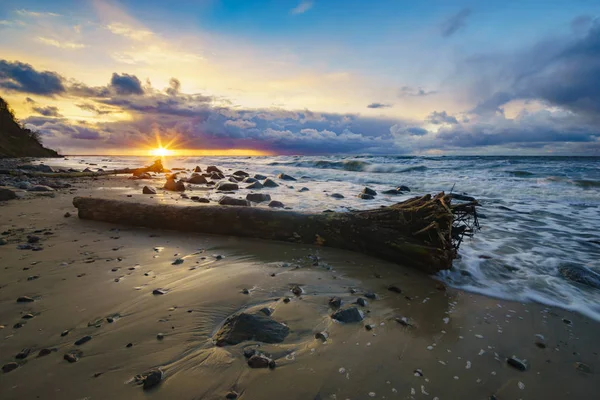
(242, 327)
(337, 196)
(365, 196)
(286, 177)
(225, 186)
(580, 274)
(348, 315)
(269, 183)
(231, 201)
(258, 197)
(369, 191)
(276, 204)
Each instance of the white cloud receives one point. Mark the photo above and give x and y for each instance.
(27, 13)
(303, 7)
(60, 44)
(121, 29)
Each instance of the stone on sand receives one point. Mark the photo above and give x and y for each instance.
(174, 186)
(269, 183)
(197, 179)
(149, 190)
(232, 201)
(348, 315)
(258, 197)
(255, 185)
(276, 204)
(225, 186)
(7, 194)
(243, 326)
(286, 177)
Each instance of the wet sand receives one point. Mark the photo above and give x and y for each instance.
(454, 347)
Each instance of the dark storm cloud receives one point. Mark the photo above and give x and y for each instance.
(379, 105)
(20, 77)
(126, 84)
(563, 72)
(92, 108)
(49, 111)
(442, 117)
(455, 23)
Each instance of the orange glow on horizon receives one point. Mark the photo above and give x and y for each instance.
(176, 152)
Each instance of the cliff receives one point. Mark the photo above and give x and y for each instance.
(17, 141)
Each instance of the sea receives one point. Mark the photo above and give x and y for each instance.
(537, 213)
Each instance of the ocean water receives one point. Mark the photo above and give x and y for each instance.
(537, 212)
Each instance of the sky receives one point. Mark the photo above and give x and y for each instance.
(305, 76)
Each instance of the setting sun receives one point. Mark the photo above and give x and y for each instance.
(161, 152)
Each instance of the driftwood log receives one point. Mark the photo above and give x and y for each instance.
(422, 232)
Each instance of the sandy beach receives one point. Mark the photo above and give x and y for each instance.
(84, 278)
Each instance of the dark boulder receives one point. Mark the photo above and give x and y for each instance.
(225, 186)
(337, 196)
(303, 189)
(365, 196)
(335, 302)
(249, 180)
(242, 327)
(259, 361)
(369, 191)
(197, 169)
(241, 173)
(232, 201)
(348, 315)
(255, 185)
(580, 274)
(11, 366)
(197, 179)
(7, 194)
(174, 186)
(258, 197)
(151, 378)
(200, 199)
(286, 177)
(215, 176)
(212, 168)
(260, 177)
(149, 190)
(269, 183)
(276, 204)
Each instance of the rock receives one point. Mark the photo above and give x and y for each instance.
(65, 332)
(174, 186)
(259, 361)
(337, 196)
(7, 194)
(212, 168)
(255, 185)
(303, 189)
(129, 345)
(285, 177)
(73, 356)
(369, 191)
(370, 295)
(348, 315)
(249, 352)
(579, 366)
(516, 363)
(160, 336)
(11, 366)
(269, 183)
(23, 354)
(404, 321)
(394, 288)
(159, 291)
(149, 190)
(362, 302)
(197, 179)
(224, 186)
(200, 199)
(258, 197)
(231, 395)
(366, 196)
(24, 299)
(580, 274)
(152, 378)
(144, 175)
(335, 302)
(178, 261)
(249, 180)
(67, 214)
(45, 352)
(33, 239)
(369, 327)
(242, 327)
(197, 169)
(231, 201)
(540, 344)
(215, 176)
(287, 300)
(241, 173)
(297, 290)
(267, 311)
(322, 336)
(234, 179)
(276, 204)
(245, 291)
(3, 242)
(40, 188)
(27, 316)
(83, 340)
(259, 177)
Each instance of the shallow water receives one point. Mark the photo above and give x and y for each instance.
(539, 212)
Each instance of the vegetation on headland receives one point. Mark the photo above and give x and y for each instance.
(18, 141)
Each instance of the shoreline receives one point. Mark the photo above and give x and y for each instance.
(424, 357)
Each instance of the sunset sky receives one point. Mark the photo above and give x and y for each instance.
(306, 77)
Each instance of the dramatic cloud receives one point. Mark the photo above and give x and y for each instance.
(125, 84)
(21, 77)
(174, 86)
(302, 7)
(439, 118)
(379, 105)
(49, 111)
(455, 23)
(94, 109)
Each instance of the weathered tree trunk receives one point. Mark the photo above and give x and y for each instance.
(417, 232)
